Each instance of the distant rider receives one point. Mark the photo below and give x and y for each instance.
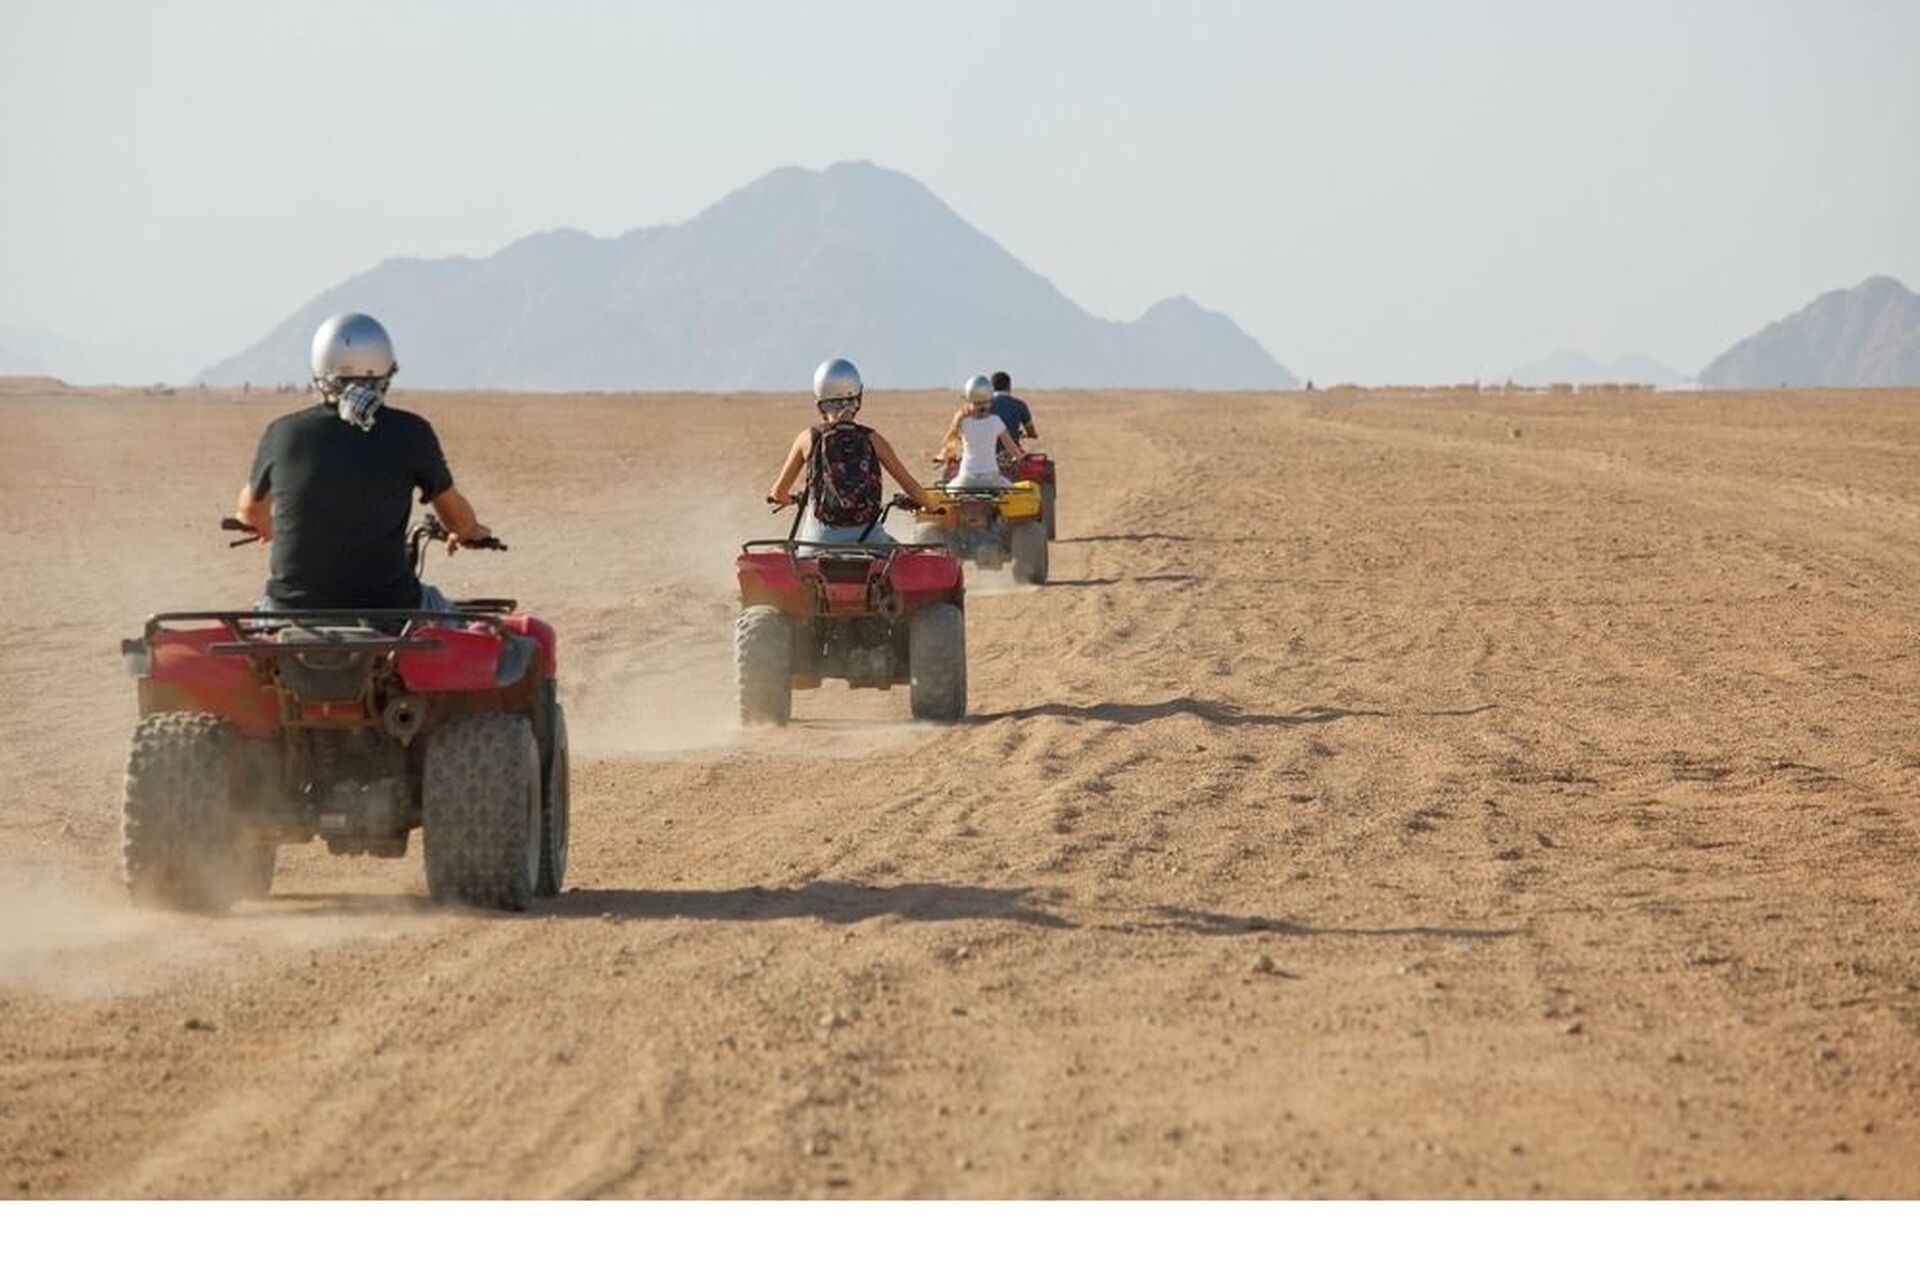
(976, 436)
(332, 485)
(1011, 409)
(843, 460)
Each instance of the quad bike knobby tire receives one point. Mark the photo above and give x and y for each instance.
(480, 812)
(1046, 508)
(937, 663)
(181, 843)
(1030, 552)
(555, 800)
(763, 664)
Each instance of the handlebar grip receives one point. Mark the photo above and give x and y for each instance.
(233, 524)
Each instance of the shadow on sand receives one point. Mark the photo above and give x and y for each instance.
(1201, 709)
(1189, 920)
(1147, 535)
(1114, 582)
(834, 901)
(847, 902)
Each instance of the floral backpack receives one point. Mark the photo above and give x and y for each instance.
(843, 475)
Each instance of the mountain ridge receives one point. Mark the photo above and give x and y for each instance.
(1866, 336)
(753, 291)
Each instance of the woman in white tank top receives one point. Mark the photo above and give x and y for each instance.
(974, 433)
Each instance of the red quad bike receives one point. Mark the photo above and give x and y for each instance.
(871, 614)
(263, 728)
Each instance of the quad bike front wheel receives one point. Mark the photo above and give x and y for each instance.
(181, 842)
(1029, 552)
(480, 812)
(937, 663)
(763, 664)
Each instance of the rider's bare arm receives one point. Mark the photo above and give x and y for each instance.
(457, 514)
(790, 470)
(255, 513)
(891, 461)
(1012, 446)
(950, 445)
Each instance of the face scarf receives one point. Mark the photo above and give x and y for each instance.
(359, 404)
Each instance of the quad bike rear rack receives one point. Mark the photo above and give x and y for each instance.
(466, 613)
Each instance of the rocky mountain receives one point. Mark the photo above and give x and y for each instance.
(1577, 368)
(751, 294)
(1866, 336)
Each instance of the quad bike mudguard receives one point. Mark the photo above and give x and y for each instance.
(1037, 467)
(1020, 501)
(911, 578)
(218, 668)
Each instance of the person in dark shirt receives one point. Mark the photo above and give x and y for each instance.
(332, 486)
(1013, 411)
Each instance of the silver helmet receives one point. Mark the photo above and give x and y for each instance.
(836, 379)
(979, 391)
(351, 345)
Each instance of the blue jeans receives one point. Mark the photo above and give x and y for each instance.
(811, 530)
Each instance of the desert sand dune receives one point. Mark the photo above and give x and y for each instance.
(1393, 794)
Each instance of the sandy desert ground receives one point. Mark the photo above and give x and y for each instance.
(1394, 794)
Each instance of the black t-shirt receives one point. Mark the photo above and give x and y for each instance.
(341, 499)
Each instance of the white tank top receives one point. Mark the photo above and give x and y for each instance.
(978, 463)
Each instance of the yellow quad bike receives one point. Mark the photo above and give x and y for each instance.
(990, 528)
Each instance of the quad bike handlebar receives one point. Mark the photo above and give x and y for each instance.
(233, 524)
(428, 530)
(898, 502)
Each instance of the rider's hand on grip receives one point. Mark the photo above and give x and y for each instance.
(233, 524)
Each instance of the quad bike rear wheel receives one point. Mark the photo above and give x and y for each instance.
(181, 843)
(555, 802)
(480, 812)
(937, 663)
(1046, 508)
(1029, 551)
(763, 664)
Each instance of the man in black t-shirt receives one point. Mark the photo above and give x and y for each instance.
(332, 485)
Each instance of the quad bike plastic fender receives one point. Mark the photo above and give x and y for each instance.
(768, 578)
(1037, 467)
(481, 816)
(476, 659)
(763, 664)
(937, 663)
(923, 578)
(541, 633)
(1022, 502)
(181, 676)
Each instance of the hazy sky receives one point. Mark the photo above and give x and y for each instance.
(1377, 192)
